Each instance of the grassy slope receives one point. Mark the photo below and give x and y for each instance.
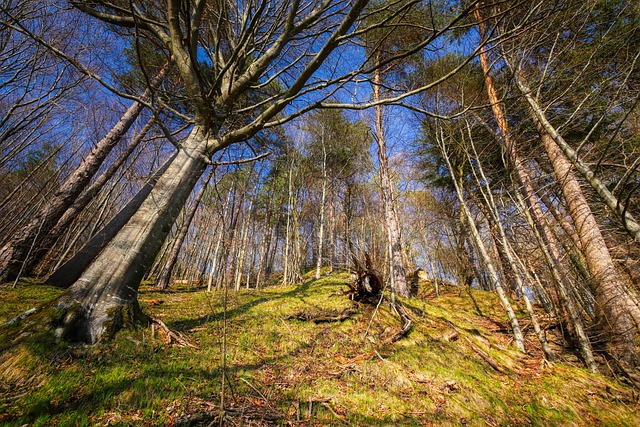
(295, 372)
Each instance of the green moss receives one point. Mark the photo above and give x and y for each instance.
(342, 371)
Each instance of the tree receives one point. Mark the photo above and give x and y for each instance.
(383, 45)
(245, 49)
(336, 152)
(617, 315)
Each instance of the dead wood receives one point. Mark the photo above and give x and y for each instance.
(324, 316)
(248, 416)
(488, 359)
(367, 285)
(169, 336)
(21, 316)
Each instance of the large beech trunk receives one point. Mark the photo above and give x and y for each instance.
(104, 298)
(72, 269)
(167, 271)
(15, 256)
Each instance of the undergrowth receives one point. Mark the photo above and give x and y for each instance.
(279, 370)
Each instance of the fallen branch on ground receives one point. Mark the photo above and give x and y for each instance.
(324, 317)
(171, 336)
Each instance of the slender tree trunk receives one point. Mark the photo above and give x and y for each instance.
(505, 252)
(398, 274)
(287, 240)
(617, 310)
(568, 304)
(104, 298)
(322, 209)
(493, 273)
(243, 245)
(165, 275)
(220, 226)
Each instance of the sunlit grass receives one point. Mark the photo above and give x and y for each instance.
(318, 374)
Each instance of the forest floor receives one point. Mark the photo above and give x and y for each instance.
(455, 366)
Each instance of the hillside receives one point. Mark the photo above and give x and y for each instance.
(454, 367)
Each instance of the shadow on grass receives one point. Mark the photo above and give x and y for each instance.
(300, 291)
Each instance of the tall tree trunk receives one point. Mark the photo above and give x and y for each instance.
(165, 275)
(568, 304)
(15, 255)
(398, 274)
(104, 298)
(322, 208)
(287, 239)
(71, 270)
(619, 315)
(545, 236)
(493, 273)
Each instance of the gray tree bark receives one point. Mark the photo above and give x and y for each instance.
(167, 271)
(104, 298)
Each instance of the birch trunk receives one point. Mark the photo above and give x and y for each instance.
(104, 298)
(398, 274)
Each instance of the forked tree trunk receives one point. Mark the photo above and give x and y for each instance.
(104, 298)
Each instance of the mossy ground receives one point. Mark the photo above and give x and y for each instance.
(282, 371)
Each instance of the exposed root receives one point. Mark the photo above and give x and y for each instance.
(406, 323)
(324, 317)
(248, 416)
(367, 286)
(21, 316)
(169, 336)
